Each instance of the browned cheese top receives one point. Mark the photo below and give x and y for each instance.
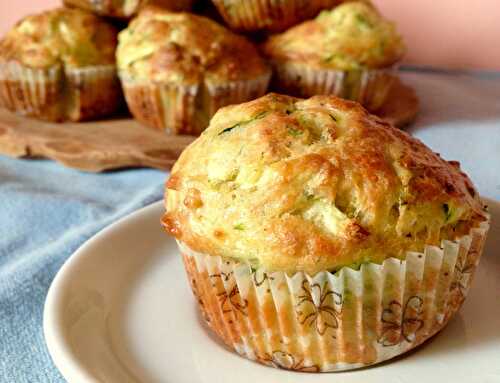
(183, 48)
(317, 184)
(352, 36)
(71, 37)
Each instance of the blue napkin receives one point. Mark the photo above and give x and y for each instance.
(46, 213)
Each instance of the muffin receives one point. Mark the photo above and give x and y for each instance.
(125, 9)
(349, 51)
(60, 65)
(269, 15)
(177, 69)
(330, 240)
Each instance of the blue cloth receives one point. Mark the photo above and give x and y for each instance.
(46, 213)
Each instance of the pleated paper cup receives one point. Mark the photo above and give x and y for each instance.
(251, 15)
(58, 94)
(368, 87)
(30, 91)
(334, 321)
(126, 9)
(186, 109)
(91, 92)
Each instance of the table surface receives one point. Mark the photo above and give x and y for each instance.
(48, 211)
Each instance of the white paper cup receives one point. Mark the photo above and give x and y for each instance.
(368, 87)
(334, 321)
(251, 15)
(91, 92)
(178, 109)
(59, 93)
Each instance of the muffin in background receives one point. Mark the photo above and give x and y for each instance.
(270, 15)
(125, 8)
(349, 51)
(60, 65)
(177, 69)
(330, 240)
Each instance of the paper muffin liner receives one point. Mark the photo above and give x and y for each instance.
(368, 87)
(271, 15)
(31, 92)
(182, 109)
(334, 321)
(91, 92)
(128, 8)
(57, 94)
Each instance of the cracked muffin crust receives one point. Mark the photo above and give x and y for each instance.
(71, 37)
(351, 36)
(309, 185)
(348, 51)
(164, 46)
(178, 69)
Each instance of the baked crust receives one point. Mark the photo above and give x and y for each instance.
(316, 184)
(70, 37)
(182, 48)
(351, 36)
(126, 8)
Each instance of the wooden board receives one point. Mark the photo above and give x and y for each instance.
(402, 106)
(118, 143)
(91, 146)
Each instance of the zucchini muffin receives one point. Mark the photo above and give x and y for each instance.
(60, 65)
(126, 8)
(318, 237)
(270, 15)
(177, 69)
(348, 51)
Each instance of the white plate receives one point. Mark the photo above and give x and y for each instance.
(120, 310)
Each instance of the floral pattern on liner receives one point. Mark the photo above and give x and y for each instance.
(369, 87)
(286, 361)
(334, 321)
(321, 315)
(395, 331)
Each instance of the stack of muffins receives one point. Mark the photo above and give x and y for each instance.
(176, 68)
(316, 236)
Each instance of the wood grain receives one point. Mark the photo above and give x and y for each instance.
(118, 143)
(90, 146)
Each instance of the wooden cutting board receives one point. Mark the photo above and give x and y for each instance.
(91, 146)
(119, 143)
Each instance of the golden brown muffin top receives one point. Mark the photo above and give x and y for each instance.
(71, 37)
(159, 45)
(351, 36)
(316, 184)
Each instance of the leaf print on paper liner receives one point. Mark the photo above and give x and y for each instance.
(230, 302)
(322, 315)
(394, 331)
(463, 273)
(286, 361)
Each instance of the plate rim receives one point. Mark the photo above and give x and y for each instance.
(60, 353)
